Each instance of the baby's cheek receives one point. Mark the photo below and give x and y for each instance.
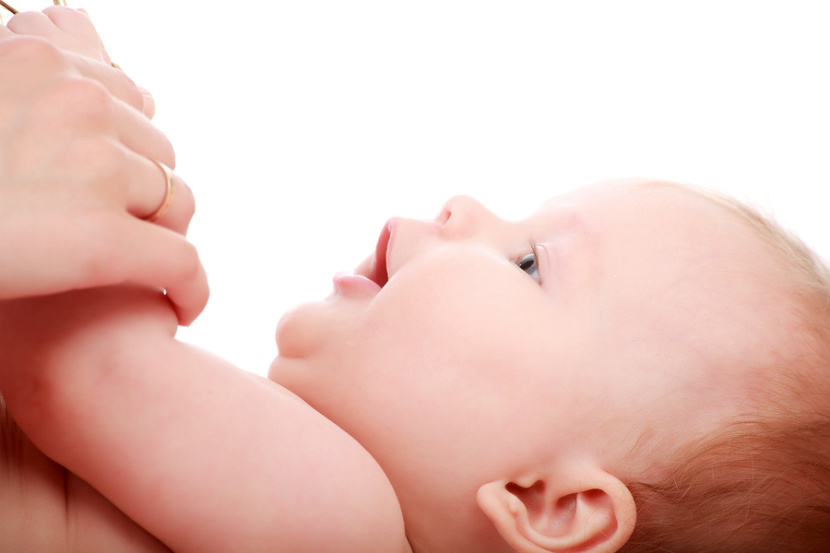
(424, 320)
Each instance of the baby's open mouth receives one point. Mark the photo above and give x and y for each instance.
(378, 273)
(375, 267)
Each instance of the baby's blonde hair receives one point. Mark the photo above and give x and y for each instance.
(761, 484)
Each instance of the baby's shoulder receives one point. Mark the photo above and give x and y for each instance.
(337, 495)
(44, 507)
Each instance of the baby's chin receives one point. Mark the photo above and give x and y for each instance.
(295, 344)
(289, 373)
(301, 330)
(304, 339)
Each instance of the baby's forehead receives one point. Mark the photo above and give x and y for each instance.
(658, 225)
(637, 202)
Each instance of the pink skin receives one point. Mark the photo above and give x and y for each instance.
(461, 370)
(371, 275)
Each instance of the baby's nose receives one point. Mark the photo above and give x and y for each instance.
(464, 217)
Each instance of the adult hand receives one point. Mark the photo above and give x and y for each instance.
(78, 174)
(68, 29)
(73, 31)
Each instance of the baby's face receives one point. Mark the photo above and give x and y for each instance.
(478, 357)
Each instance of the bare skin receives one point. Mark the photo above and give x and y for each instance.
(259, 470)
(66, 96)
(69, 117)
(44, 507)
(209, 458)
(485, 382)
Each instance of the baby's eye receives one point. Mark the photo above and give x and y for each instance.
(528, 265)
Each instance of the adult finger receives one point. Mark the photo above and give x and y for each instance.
(80, 107)
(154, 256)
(78, 28)
(116, 81)
(172, 204)
(31, 23)
(34, 62)
(149, 103)
(111, 150)
(134, 127)
(66, 28)
(182, 208)
(73, 33)
(30, 59)
(164, 256)
(71, 21)
(139, 134)
(98, 248)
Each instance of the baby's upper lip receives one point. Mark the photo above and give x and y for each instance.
(379, 269)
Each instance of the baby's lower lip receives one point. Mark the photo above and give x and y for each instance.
(350, 283)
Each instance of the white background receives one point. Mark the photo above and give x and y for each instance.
(303, 125)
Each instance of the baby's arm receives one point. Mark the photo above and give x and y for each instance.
(204, 456)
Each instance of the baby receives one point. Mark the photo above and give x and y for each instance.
(637, 366)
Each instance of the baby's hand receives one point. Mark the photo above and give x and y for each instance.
(78, 173)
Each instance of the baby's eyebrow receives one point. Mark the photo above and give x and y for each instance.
(574, 252)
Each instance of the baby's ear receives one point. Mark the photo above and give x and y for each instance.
(585, 510)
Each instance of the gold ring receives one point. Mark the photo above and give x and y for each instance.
(168, 195)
